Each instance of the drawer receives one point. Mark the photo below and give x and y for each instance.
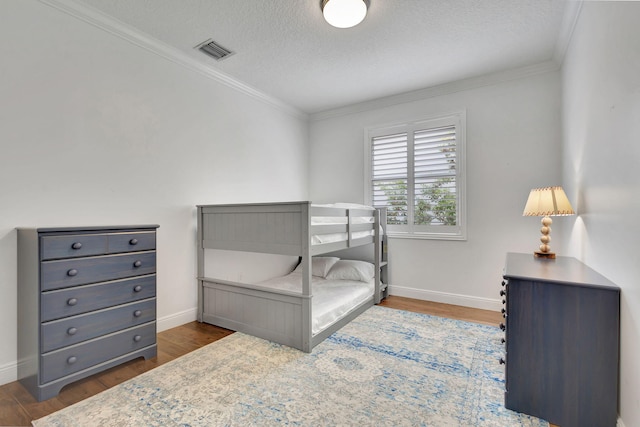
(71, 246)
(80, 271)
(72, 330)
(82, 299)
(129, 242)
(68, 360)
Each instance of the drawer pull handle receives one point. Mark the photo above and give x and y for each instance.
(72, 331)
(137, 338)
(137, 313)
(76, 245)
(72, 272)
(137, 288)
(133, 241)
(502, 292)
(72, 301)
(502, 361)
(502, 326)
(71, 360)
(137, 264)
(503, 341)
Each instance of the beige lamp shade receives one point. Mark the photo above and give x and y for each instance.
(548, 201)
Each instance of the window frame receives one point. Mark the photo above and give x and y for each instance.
(412, 231)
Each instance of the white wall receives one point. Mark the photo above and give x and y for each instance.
(95, 130)
(601, 143)
(513, 145)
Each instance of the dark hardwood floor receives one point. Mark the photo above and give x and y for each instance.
(19, 408)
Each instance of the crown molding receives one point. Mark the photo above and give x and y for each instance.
(568, 25)
(439, 90)
(107, 23)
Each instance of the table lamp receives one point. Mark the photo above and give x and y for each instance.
(546, 202)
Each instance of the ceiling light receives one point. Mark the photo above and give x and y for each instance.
(344, 13)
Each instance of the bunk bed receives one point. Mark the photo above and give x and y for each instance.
(284, 309)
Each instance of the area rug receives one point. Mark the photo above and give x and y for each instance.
(386, 368)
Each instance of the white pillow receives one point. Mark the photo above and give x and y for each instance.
(351, 270)
(320, 265)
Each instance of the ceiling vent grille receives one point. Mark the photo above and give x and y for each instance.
(214, 50)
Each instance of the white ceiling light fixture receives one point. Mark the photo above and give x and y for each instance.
(344, 13)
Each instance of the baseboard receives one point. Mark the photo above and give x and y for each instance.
(446, 298)
(620, 423)
(176, 319)
(8, 373)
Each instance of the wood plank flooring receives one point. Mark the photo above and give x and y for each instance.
(19, 408)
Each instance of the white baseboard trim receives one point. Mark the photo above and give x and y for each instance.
(446, 298)
(8, 373)
(177, 319)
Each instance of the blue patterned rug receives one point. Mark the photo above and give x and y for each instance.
(386, 368)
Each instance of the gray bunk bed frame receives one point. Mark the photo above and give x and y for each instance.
(279, 228)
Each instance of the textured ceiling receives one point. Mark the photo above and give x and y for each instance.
(285, 49)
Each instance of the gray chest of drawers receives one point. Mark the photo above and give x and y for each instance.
(562, 341)
(86, 302)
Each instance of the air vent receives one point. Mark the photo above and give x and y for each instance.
(214, 50)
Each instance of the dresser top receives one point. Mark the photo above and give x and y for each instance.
(565, 270)
(91, 228)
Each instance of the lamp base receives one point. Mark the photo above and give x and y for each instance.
(547, 255)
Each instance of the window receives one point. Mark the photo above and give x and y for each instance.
(416, 171)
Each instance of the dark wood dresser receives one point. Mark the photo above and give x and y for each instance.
(86, 302)
(562, 341)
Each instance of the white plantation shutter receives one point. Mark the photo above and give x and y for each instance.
(389, 178)
(415, 171)
(435, 175)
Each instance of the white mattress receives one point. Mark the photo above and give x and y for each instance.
(332, 299)
(324, 220)
(319, 239)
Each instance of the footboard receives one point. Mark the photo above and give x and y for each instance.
(275, 316)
